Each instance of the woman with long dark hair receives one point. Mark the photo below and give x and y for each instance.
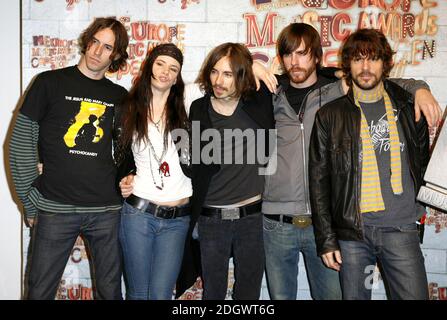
(145, 276)
(156, 216)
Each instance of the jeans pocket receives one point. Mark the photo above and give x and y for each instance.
(408, 228)
(271, 225)
(128, 210)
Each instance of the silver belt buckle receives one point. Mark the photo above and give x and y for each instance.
(302, 221)
(230, 214)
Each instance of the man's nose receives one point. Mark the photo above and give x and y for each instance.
(219, 79)
(295, 60)
(365, 64)
(98, 50)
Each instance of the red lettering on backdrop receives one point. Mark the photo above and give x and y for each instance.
(74, 293)
(408, 25)
(338, 32)
(442, 293)
(386, 5)
(256, 38)
(138, 31)
(341, 4)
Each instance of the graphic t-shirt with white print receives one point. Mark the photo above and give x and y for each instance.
(399, 209)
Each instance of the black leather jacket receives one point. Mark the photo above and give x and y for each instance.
(335, 166)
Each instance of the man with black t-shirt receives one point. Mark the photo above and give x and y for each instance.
(66, 122)
(227, 179)
(288, 227)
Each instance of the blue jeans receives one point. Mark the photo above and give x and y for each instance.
(397, 250)
(54, 235)
(221, 239)
(153, 252)
(283, 243)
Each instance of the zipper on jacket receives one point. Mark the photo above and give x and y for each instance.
(303, 143)
(306, 191)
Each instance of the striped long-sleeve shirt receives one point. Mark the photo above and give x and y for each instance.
(23, 153)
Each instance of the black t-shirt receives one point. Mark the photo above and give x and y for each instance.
(295, 96)
(75, 117)
(238, 178)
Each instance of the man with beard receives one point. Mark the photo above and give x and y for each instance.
(288, 224)
(367, 158)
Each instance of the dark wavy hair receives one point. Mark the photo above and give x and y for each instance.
(241, 65)
(291, 37)
(369, 43)
(136, 108)
(121, 40)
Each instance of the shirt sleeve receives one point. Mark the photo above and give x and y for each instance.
(36, 100)
(23, 158)
(411, 85)
(192, 92)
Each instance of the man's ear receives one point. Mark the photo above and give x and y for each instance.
(117, 56)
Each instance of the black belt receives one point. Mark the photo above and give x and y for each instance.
(232, 213)
(158, 211)
(302, 221)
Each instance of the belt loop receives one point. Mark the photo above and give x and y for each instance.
(156, 208)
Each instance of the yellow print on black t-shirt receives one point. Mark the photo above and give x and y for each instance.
(86, 125)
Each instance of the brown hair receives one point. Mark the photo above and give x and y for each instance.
(241, 65)
(291, 37)
(136, 108)
(121, 40)
(368, 43)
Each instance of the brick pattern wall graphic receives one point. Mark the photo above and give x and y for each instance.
(417, 31)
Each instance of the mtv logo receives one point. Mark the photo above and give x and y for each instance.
(434, 193)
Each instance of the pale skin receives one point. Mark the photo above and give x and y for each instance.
(300, 67)
(424, 103)
(94, 65)
(424, 100)
(165, 71)
(260, 72)
(224, 100)
(298, 62)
